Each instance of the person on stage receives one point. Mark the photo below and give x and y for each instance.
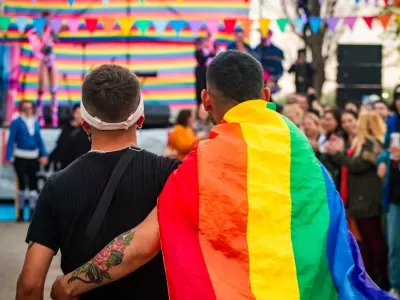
(42, 44)
(235, 219)
(304, 72)
(26, 150)
(271, 58)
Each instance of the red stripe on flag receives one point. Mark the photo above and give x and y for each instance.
(222, 165)
(178, 214)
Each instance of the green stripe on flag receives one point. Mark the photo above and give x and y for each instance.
(310, 220)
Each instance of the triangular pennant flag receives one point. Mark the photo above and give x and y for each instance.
(143, 25)
(350, 21)
(298, 23)
(70, 2)
(396, 2)
(282, 23)
(21, 23)
(385, 19)
(386, 2)
(73, 25)
(105, 2)
(398, 18)
(177, 25)
(108, 24)
(195, 26)
(160, 26)
(141, 1)
(126, 25)
(229, 25)
(38, 24)
(91, 24)
(213, 26)
(264, 26)
(55, 25)
(331, 23)
(246, 26)
(4, 22)
(315, 24)
(368, 21)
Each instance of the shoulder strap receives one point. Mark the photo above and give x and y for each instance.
(107, 196)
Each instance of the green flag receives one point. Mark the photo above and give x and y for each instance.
(282, 23)
(4, 23)
(143, 25)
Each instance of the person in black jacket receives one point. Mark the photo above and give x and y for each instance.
(73, 142)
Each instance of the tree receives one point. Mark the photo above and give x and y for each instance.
(323, 45)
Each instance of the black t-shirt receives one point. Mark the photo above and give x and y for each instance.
(304, 76)
(69, 198)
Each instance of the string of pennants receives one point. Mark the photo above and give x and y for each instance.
(126, 24)
(396, 2)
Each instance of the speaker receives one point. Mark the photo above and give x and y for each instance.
(354, 94)
(156, 116)
(350, 75)
(359, 55)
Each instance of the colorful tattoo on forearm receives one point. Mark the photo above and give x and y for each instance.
(98, 268)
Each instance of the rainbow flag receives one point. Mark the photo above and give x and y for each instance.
(252, 214)
(168, 54)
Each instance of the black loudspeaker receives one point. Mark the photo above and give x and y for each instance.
(359, 55)
(349, 75)
(359, 72)
(64, 115)
(157, 116)
(347, 94)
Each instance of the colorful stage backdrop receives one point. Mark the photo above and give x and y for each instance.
(165, 52)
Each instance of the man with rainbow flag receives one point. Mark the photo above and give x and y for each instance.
(250, 213)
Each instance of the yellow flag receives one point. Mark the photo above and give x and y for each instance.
(126, 25)
(264, 26)
(398, 18)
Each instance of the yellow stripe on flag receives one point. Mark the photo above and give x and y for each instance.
(271, 257)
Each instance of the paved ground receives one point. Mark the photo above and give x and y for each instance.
(12, 254)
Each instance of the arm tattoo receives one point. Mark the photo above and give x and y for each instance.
(95, 270)
(30, 244)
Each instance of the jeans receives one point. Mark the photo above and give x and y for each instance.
(393, 223)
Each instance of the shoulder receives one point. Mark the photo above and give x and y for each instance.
(160, 163)
(391, 122)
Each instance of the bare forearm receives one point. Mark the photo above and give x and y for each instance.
(28, 292)
(122, 256)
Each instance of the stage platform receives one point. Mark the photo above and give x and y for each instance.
(154, 140)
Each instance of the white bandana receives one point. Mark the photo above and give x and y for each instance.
(100, 125)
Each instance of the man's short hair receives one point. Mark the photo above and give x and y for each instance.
(111, 93)
(236, 75)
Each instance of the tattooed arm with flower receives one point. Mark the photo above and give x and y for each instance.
(123, 255)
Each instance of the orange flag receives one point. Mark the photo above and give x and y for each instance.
(385, 19)
(108, 24)
(246, 26)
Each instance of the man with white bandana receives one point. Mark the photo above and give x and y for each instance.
(112, 109)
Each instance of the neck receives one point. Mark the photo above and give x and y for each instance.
(113, 140)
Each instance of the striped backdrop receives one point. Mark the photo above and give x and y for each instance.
(168, 54)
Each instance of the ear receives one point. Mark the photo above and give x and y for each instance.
(140, 121)
(85, 126)
(205, 98)
(267, 94)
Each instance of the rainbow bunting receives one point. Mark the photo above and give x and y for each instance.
(252, 214)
